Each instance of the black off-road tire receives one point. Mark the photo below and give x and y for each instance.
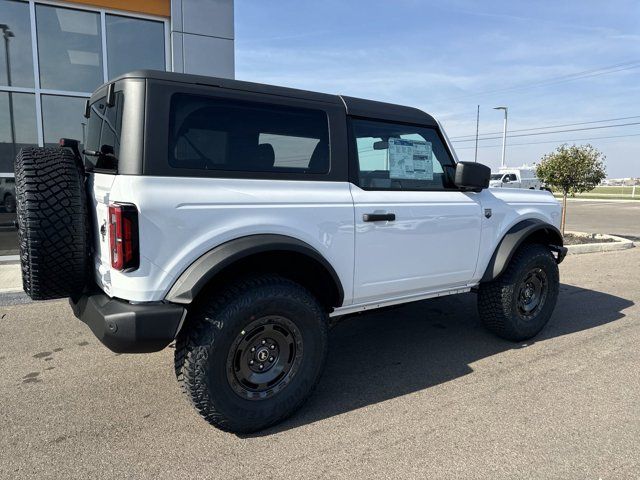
(210, 338)
(51, 210)
(498, 300)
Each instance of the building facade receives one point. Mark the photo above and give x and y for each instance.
(54, 54)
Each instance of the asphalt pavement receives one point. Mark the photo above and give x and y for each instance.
(617, 218)
(419, 391)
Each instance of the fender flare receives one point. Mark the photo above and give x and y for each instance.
(200, 272)
(514, 238)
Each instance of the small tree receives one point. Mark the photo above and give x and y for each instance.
(570, 170)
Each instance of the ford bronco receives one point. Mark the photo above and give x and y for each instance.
(236, 218)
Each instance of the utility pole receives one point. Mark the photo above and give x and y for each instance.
(504, 137)
(477, 127)
(7, 34)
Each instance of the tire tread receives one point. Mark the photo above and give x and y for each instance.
(51, 210)
(195, 341)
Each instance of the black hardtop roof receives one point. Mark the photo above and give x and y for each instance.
(354, 106)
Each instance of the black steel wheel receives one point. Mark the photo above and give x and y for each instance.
(264, 357)
(519, 303)
(250, 355)
(532, 293)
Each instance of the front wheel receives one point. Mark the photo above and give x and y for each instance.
(252, 355)
(518, 304)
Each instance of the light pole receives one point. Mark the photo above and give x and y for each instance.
(7, 34)
(477, 127)
(504, 136)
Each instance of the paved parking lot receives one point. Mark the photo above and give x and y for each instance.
(421, 391)
(618, 218)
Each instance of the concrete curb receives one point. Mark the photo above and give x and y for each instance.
(619, 243)
(10, 278)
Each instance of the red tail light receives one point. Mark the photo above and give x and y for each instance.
(123, 236)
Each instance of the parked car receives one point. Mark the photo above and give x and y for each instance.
(8, 194)
(516, 178)
(237, 218)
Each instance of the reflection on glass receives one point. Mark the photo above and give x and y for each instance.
(16, 69)
(133, 44)
(17, 126)
(69, 49)
(62, 118)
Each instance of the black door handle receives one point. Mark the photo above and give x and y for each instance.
(378, 217)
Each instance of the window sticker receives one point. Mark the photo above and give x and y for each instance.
(410, 159)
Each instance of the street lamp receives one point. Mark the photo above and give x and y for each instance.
(7, 34)
(504, 136)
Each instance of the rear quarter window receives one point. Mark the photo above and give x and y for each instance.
(103, 134)
(208, 133)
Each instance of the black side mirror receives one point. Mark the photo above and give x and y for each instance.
(472, 176)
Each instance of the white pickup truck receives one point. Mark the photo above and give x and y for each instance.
(516, 178)
(236, 218)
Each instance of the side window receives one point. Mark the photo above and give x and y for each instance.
(217, 134)
(399, 157)
(102, 133)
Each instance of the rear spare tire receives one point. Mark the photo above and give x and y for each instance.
(51, 210)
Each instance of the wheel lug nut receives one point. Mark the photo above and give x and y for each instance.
(271, 359)
(263, 342)
(272, 347)
(261, 366)
(250, 362)
(253, 349)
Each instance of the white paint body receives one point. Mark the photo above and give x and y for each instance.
(440, 243)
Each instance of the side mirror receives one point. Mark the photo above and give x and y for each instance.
(472, 176)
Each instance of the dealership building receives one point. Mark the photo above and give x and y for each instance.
(54, 54)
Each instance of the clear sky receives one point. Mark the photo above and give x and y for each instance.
(551, 62)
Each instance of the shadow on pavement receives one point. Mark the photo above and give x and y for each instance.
(377, 356)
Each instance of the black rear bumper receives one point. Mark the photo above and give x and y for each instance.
(129, 328)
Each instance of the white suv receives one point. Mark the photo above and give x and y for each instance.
(237, 218)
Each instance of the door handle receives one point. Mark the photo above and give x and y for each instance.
(378, 217)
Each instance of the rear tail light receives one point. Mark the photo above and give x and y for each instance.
(123, 236)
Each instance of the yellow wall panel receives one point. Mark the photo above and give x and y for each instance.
(160, 8)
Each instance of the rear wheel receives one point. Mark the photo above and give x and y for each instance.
(518, 304)
(51, 210)
(251, 356)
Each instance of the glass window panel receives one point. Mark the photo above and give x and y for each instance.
(400, 157)
(134, 44)
(62, 117)
(102, 133)
(217, 134)
(16, 69)
(17, 126)
(69, 49)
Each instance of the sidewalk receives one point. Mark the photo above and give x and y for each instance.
(10, 278)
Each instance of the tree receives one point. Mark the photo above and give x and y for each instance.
(570, 170)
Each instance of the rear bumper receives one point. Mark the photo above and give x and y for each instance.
(129, 328)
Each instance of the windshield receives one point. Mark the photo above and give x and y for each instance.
(496, 176)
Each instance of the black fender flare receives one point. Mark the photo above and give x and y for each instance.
(205, 268)
(516, 237)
